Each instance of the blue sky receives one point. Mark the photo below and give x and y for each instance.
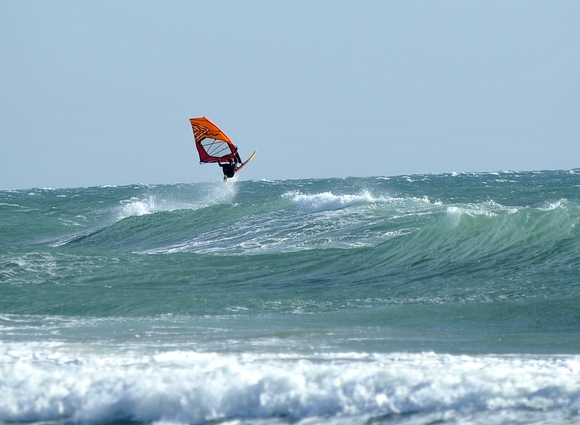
(100, 92)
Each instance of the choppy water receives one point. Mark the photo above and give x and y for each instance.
(405, 300)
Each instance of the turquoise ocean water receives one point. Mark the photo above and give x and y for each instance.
(451, 298)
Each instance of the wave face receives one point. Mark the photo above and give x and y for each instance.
(407, 300)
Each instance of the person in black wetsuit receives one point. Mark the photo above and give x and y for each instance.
(229, 168)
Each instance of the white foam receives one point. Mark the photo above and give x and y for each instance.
(336, 222)
(4, 204)
(28, 268)
(137, 207)
(487, 209)
(42, 382)
(150, 204)
(328, 201)
(555, 205)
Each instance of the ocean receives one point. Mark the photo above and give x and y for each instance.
(420, 299)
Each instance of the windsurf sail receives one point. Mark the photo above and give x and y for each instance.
(212, 144)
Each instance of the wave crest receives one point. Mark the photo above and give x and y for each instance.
(328, 200)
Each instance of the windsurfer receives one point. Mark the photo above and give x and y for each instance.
(229, 168)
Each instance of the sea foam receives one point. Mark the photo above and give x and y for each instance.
(327, 200)
(151, 203)
(53, 384)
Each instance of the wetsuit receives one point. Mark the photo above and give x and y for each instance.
(228, 169)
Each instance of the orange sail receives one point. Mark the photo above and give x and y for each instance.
(212, 144)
